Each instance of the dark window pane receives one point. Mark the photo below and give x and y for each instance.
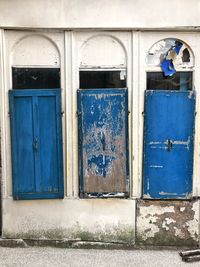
(179, 81)
(36, 78)
(186, 55)
(102, 79)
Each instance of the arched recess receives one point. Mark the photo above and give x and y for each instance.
(36, 119)
(169, 64)
(182, 60)
(103, 60)
(103, 111)
(35, 50)
(35, 59)
(102, 51)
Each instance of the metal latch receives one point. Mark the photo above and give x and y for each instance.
(169, 145)
(36, 144)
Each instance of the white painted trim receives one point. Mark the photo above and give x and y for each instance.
(36, 66)
(142, 86)
(102, 69)
(4, 116)
(75, 86)
(69, 121)
(61, 48)
(129, 66)
(1, 111)
(196, 83)
(136, 175)
(158, 69)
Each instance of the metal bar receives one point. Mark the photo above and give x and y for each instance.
(191, 258)
(189, 253)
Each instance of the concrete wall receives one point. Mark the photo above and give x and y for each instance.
(167, 223)
(99, 14)
(90, 220)
(97, 219)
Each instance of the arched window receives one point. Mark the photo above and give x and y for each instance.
(170, 65)
(35, 64)
(102, 63)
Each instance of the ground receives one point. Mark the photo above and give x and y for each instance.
(48, 256)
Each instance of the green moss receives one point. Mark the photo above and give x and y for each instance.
(115, 234)
(164, 239)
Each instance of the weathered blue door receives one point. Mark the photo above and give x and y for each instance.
(168, 144)
(103, 142)
(36, 143)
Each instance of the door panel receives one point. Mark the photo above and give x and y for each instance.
(48, 144)
(36, 133)
(168, 144)
(103, 144)
(23, 154)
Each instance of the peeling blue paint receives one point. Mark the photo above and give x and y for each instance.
(168, 67)
(178, 46)
(102, 164)
(167, 63)
(104, 123)
(103, 140)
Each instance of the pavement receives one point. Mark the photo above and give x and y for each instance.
(52, 257)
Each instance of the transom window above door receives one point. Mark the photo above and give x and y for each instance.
(35, 78)
(179, 81)
(102, 63)
(35, 63)
(169, 66)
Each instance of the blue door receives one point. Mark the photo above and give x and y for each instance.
(36, 134)
(168, 144)
(103, 142)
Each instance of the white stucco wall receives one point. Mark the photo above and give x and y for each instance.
(112, 219)
(99, 14)
(97, 219)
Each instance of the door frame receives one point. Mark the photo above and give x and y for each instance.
(2, 127)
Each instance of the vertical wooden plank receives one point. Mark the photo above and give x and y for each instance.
(59, 142)
(80, 142)
(48, 138)
(22, 140)
(2, 125)
(36, 145)
(135, 155)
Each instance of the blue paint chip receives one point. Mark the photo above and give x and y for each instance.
(102, 164)
(177, 47)
(167, 64)
(168, 67)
